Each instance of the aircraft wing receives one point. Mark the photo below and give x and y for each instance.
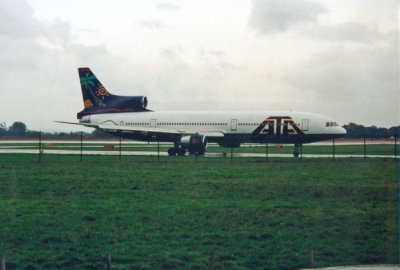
(105, 127)
(159, 130)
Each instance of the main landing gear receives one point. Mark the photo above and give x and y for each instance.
(181, 151)
(176, 150)
(173, 151)
(297, 149)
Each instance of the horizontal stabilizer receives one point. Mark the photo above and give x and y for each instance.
(79, 124)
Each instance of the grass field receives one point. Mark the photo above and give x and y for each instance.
(60, 214)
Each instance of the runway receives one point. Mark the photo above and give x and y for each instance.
(94, 147)
(154, 153)
(151, 144)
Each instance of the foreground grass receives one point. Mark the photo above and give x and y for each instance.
(170, 215)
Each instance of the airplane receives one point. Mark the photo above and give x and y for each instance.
(128, 117)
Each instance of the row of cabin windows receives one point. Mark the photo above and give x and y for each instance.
(201, 124)
(179, 124)
(248, 124)
(191, 124)
(137, 124)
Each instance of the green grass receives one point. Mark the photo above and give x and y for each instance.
(60, 214)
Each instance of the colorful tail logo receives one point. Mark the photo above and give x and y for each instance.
(92, 90)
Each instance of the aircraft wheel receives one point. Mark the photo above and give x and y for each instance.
(181, 151)
(172, 152)
(296, 153)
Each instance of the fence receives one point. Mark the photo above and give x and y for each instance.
(82, 149)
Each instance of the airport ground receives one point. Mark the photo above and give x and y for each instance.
(329, 149)
(61, 213)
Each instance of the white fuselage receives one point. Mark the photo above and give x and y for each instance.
(313, 126)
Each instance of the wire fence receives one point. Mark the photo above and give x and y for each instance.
(82, 149)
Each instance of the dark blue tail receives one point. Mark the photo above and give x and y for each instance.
(97, 99)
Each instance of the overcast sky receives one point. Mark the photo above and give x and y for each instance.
(337, 58)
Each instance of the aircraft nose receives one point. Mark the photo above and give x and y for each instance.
(343, 131)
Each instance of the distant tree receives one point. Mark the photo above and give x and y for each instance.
(383, 133)
(395, 131)
(63, 134)
(17, 129)
(3, 129)
(33, 134)
(77, 134)
(354, 130)
(371, 132)
(101, 134)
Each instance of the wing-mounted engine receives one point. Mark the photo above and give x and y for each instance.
(196, 143)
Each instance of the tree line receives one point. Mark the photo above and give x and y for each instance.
(19, 129)
(354, 131)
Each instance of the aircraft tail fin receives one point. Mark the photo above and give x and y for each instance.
(96, 98)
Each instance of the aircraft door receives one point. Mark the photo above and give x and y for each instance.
(153, 123)
(304, 125)
(234, 124)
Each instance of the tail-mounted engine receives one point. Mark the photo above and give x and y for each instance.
(96, 98)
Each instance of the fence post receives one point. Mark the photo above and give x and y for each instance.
(2, 262)
(301, 151)
(81, 145)
(195, 145)
(395, 146)
(310, 255)
(212, 260)
(40, 145)
(266, 152)
(333, 149)
(365, 147)
(120, 148)
(108, 261)
(158, 149)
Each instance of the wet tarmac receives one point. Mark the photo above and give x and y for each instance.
(208, 154)
(32, 148)
(151, 144)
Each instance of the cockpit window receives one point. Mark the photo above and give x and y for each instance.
(331, 124)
